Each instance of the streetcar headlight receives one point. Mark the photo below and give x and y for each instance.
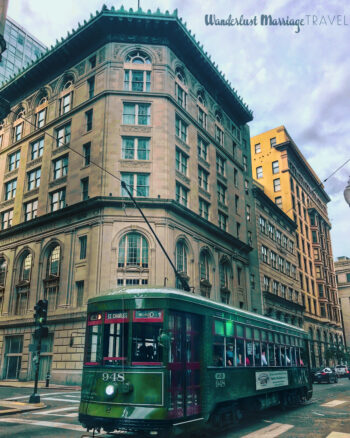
(110, 390)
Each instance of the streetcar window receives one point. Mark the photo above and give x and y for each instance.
(249, 354)
(145, 347)
(256, 334)
(272, 361)
(263, 335)
(115, 343)
(240, 352)
(264, 354)
(270, 335)
(278, 356)
(229, 328)
(219, 327)
(257, 354)
(93, 341)
(239, 331)
(248, 333)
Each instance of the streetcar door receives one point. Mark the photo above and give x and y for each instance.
(184, 365)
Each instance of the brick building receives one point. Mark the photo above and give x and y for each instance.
(127, 97)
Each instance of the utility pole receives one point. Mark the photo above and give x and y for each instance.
(40, 332)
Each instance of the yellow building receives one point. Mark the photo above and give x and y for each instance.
(291, 183)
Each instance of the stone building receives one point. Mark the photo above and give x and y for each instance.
(291, 183)
(127, 97)
(342, 270)
(276, 235)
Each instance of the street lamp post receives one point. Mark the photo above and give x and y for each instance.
(347, 193)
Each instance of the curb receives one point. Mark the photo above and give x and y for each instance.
(18, 407)
(31, 385)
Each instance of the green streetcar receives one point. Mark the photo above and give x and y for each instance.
(163, 361)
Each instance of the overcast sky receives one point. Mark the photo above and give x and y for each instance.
(300, 80)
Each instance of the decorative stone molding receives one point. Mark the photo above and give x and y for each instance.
(31, 193)
(58, 182)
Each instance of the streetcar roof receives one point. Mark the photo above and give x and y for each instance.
(130, 292)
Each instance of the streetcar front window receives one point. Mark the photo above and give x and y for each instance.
(145, 346)
(115, 343)
(93, 341)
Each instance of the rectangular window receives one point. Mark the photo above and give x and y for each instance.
(278, 201)
(259, 172)
(275, 287)
(273, 141)
(40, 118)
(262, 223)
(181, 129)
(91, 86)
(138, 181)
(84, 188)
(30, 210)
(82, 246)
(65, 103)
(220, 165)
(18, 130)
(60, 167)
(264, 254)
(219, 135)
(36, 149)
(275, 167)
(236, 203)
(238, 228)
(14, 160)
(222, 221)
(92, 62)
(80, 292)
(34, 179)
(266, 284)
(137, 114)
(235, 178)
(62, 135)
(181, 160)
(181, 95)
(137, 80)
(1, 140)
(58, 199)
(203, 176)
(273, 258)
(88, 119)
(203, 209)
(258, 148)
(314, 237)
(202, 118)
(281, 264)
(181, 194)
(271, 231)
(135, 148)
(248, 214)
(276, 185)
(86, 153)
(245, 163)
(221, 193)
(6, 219)
(10, 189)
(202, 148)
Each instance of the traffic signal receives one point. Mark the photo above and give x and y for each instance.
(41, 332)
(41, 312)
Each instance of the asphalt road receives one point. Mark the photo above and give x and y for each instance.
(326, 415)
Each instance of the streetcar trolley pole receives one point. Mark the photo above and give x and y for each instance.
(40, 332)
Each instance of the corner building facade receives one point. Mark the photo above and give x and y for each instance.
(292, 184)
(128, 97)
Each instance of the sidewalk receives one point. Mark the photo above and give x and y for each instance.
(41, 384)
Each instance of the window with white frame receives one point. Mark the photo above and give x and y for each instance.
(138, 184)
(36, 148)
(204, 265)
(30, 210)
(271, 231)
(135, 148)
(219, 135)
(133, 251)
(40, 117)
(18, 132)
(222, 219)
(220, 165)
(264, 253)
(258, 148)
(180, 88)
(202, 148)
(181, 256)
(281, 264)
(273, 141)
(266, 282)
(273, 259)
(6, 219)
(34, 179)
(58, 199)
(14, 160)
(137, 72)
(60, 167)
(181, 128)
(262, 224)
(275, 167)
(181, 194)
(181, 161)
(10, 189)
(204, 208)
(136, 113)
(203, 177)
(278, 201)
(276, 185)
(62, 135)
(275, 287)
(259, 172)
(221, 193)
(66, 103)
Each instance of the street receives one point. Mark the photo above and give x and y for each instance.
(326, 415)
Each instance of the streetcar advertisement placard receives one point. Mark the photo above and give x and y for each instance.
(271, 379)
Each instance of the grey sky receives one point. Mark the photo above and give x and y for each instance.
(300, 80)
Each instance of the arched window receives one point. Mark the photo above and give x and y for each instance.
(219, 133)
(225, 274)
(202, 112)
(180, 88)
(133, 251)
(181, 261)
(23, 284)
(204, 273)
(66, 100)
(40, 112)
(52, 276)
(133, 260)
(137, 72)
(18, 125)
(218, 117)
